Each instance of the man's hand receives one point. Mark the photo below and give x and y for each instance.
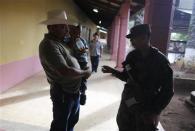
(107, 69)
(83, 50)
(87, 73)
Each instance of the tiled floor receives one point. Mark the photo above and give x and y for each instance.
(27, 106)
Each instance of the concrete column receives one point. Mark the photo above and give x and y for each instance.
(159, 14)
(109, 33)
(124, 18)
(115, 38)
(111, 37)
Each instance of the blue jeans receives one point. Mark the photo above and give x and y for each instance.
(66, 108)
(95, 62)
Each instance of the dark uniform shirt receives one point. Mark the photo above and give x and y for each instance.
(149, 80)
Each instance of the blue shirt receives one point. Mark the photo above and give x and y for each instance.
(95, 48)
(81, 44)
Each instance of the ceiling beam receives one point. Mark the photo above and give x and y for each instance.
(103, 6)
(118, 2)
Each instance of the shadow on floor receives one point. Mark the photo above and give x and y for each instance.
(24, 97)
(99, 117)
(17, 126)
(101, 78)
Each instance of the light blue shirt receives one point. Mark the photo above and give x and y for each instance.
(81, 44)
(95, 48)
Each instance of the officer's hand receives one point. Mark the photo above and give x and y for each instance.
(152, 119)
(107, 69)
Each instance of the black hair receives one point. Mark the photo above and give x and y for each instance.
(95, 34)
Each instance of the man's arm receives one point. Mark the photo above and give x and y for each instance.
(74, 73)
(57, 62)
(167, 89)
(120, 75)
(151, 114)
(101, 49)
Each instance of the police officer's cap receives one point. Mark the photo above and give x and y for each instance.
(139, 30)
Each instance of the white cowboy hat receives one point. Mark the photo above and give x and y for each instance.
(55, 17)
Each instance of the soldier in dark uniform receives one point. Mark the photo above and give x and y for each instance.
(149, 83)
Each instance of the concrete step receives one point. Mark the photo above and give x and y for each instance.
(184, 84)
(191, 100)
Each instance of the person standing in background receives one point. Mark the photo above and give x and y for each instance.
(95, 50)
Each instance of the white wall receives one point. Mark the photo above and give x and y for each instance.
(186, 4)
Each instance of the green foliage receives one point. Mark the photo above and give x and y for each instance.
(179, 37)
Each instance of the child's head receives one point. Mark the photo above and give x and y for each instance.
(96, 36)
(74, 31)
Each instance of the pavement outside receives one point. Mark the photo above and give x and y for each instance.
(179, 115)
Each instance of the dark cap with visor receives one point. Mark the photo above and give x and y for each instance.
(139, 30)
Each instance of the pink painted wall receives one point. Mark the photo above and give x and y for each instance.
(15, 72)
(115, 37)
(124, 13)
(111, 34)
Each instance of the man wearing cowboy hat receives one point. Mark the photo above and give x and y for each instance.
(63, 72)
(149, 83)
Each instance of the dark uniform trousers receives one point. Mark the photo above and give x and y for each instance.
(129, 121)
(65, 109)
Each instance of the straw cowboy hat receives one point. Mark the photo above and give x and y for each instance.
(55, 17)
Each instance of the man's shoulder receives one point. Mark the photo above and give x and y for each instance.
(99, 42)
(131, 57)
(132, 54)
(159, 55)
(49, 43)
